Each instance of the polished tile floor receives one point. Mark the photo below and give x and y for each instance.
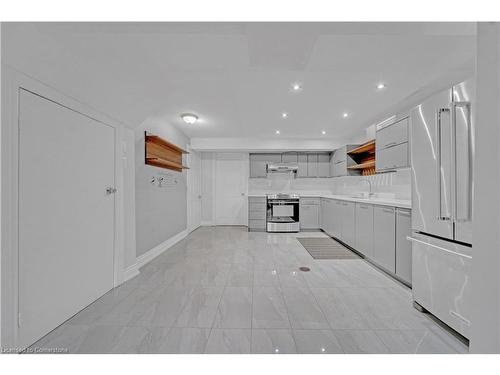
(224, 290)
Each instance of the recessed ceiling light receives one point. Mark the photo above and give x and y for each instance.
(296, 87)
(284, 115)
(323, 132)
(277, 131)
(189, 118)
(345, 115)
(381, 86)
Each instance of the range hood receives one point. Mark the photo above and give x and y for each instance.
(282, 167)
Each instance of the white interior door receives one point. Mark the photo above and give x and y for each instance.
(194, 188)
(231, 185)
(66, 217)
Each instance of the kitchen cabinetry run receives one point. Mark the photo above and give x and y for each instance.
(257, 213)
(309, 213)
(312, 165)
(384, 237)
(391, 150)
(377, 232)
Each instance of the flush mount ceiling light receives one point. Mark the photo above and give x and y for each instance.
(296, 87)
(345, 115)
(189, 118)
(284, 115)
(277, 132)
(381, 86)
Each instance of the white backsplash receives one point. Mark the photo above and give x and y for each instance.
(391, 185)
(285, 183)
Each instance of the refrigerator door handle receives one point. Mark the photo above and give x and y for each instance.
(439, 164)
(467, 107)
(412, 239)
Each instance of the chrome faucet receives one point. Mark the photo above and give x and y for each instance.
(370, 193)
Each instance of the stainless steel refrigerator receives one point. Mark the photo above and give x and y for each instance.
(442, 154)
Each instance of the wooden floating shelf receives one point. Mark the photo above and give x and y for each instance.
(368, 147)
(165, 164)
(364, 156)
(368, 164)
(163, 154)
(164, 143)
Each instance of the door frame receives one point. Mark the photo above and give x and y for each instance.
(190, 199)
(12, 82)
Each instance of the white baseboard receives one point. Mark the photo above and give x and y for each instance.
(130, 272)
(207, 224)
(159, 249)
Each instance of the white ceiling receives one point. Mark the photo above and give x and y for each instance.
(236, 76)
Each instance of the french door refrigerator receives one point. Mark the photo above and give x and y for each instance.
(442, 154)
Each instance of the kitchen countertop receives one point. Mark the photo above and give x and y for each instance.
(401, 203)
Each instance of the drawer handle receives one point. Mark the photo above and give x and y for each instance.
(388, 210)
(390, 144)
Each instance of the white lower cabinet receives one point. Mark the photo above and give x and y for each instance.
(309, 214)
(384, 237)
(364, 229)
(403, 246)
(336, 212)
(348, 220)
(322, 214)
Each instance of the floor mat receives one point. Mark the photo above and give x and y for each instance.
(326, 248)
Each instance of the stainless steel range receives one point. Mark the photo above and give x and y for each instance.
(283, 213)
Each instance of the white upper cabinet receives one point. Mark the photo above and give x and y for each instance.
(312, 165)
(341, 160)
(324, 165)
(391, 147)
(258, 164)
(302, 163)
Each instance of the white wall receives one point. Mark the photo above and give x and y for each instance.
(129, 197)
(485, 326)
(161, 213)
